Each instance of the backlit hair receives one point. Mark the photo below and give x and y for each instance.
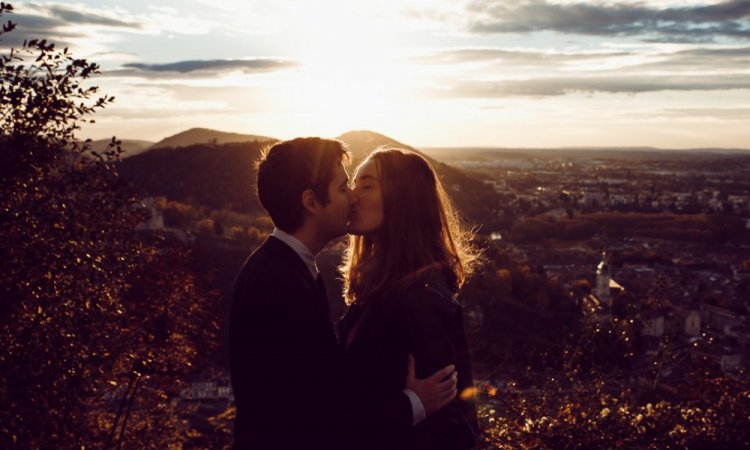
(421, 236)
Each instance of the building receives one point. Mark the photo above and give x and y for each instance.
(653, 323)
(154, 217)
(721, 319)
(603, 277)
(688, 320)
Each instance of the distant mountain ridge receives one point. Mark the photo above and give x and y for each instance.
(454, 155)
(195, 136)
(223, 175)
(362, 142)
(130, 147)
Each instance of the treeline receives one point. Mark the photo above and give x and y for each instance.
(693, 228)
(201, 220)
(519, 316)
(214, 176)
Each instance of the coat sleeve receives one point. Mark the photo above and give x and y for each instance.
(428, 321)
(433, 326)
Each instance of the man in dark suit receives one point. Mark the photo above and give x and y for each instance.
(285, 359)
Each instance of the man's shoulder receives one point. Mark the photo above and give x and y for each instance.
(260, 256)
(271, 267)
(270, 257)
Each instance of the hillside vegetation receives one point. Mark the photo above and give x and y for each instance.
(685, 227)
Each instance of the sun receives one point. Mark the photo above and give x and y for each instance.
(349, 77)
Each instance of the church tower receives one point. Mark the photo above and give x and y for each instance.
(603, 275)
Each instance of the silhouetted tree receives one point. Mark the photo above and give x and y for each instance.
(98, 324)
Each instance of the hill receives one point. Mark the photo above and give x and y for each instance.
(130, 146)
(207, 136)
(214, 176)
(362, 142)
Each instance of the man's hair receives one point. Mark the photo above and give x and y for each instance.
(287, 169)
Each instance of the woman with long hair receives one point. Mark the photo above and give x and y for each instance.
(407, 259)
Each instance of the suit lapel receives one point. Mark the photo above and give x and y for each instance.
(290, 258)
(320, 289)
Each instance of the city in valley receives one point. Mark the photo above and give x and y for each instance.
(652, 245)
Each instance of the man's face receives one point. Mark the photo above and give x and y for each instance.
(334, 216)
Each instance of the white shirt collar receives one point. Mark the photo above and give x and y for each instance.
(301, 249)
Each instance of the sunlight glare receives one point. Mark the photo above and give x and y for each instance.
(350, 74)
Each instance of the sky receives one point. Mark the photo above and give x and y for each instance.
(429, 73)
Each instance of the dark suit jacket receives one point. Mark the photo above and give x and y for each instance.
(284, 355)
(427, 322)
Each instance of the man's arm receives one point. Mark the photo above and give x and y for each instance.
(399, 412)
(432, 393)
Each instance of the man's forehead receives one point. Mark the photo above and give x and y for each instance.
(340, 173)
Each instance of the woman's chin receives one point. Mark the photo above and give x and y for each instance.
(356, 229)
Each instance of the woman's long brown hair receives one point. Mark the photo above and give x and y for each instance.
(421, 236)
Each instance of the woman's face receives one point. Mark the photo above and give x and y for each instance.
(367, 213)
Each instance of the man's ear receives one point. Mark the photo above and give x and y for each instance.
(310, 201)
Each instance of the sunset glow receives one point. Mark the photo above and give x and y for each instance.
(432, 73)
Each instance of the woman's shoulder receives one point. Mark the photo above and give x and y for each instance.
(428, 296)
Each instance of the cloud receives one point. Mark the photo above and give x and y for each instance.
(525, 63)
(64, 25)
(204, 67)
(694, 23)
(29, 26)
(705, 58)
(509, 72)
(708, 113)
(83, 17)
(619, 84)
(470, 55)
(93, 30)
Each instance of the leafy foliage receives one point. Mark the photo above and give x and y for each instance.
(87, 305)
(593, 414)
(566, 381)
